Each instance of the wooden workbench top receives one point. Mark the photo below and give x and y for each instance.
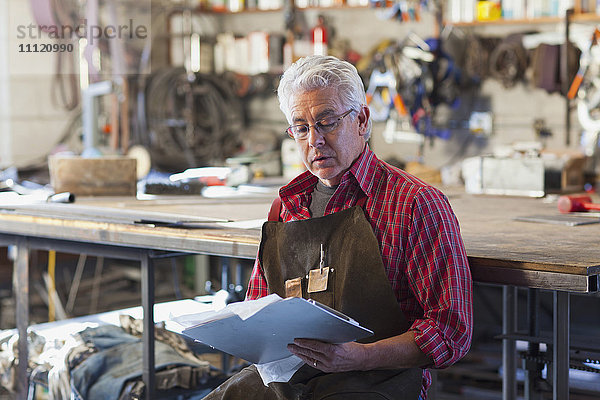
(491, 233)
(494, 240)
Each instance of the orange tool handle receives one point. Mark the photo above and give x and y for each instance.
(400, 106)
(575, 86)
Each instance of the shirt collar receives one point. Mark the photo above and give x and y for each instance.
(363, 170)
(300, 184)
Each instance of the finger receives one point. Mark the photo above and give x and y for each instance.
(303, 355)
(315, 363)
(314, 345)
(306, 355)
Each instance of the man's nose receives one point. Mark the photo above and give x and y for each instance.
(315, 138)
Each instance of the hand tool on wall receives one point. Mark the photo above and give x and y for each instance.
(584, 63)
(386, 80)
(90, 114)
(567, 204)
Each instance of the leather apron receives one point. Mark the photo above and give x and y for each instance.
(357, 285)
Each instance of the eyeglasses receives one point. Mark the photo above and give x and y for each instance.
(324, 126)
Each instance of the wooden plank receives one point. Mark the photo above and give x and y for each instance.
(535, 279)
(165, 210)
(535, 266)
(105, 214)
(107, 175)
(493, 238)
(226, 241)
(233, 209)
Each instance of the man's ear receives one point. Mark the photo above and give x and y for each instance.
(363, 119)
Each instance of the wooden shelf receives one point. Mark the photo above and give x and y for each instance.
(256, 10)
(590, 17)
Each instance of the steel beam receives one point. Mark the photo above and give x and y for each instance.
(21, 290)
(560, 364)
(148, 334)
(509, 354)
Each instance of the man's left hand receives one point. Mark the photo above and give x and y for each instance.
(329, 357)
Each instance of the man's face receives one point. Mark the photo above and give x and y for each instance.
(328, 156)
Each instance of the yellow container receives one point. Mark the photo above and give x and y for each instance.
(488, 11)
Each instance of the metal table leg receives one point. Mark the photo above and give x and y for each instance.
(509, 355)
(225, 278)
(560, 364)
(533, 368)
(148, 372)
(21, 290)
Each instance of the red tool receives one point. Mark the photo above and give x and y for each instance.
(568, 204)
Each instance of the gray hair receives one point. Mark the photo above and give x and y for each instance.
(321, 72)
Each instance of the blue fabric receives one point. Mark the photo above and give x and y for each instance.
(102, 375)
(106, 336)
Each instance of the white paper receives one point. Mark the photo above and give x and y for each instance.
(280, 370)
(243, 309)
(260, 330)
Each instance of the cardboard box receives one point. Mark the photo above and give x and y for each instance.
(102, 176)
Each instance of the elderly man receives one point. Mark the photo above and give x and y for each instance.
(394, 259)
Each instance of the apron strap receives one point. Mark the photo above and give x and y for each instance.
(275, 210)
(362, 201)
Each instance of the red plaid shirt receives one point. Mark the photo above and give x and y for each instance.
(420, 245)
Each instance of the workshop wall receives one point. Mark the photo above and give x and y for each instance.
(362, 26)
(514, 113)
(5, 133)
(514, 109)
(31, 122)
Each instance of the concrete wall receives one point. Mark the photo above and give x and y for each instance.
(31, 121)
(5, 131)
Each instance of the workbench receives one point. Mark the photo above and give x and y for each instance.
(501, 251)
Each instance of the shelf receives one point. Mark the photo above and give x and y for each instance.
(587, 17)
(256, 10)
(524, 21)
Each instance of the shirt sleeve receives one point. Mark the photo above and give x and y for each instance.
(439, 276)
(257, 286)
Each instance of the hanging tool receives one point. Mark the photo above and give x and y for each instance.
(584, 63)
(89, 115)
(387, 80)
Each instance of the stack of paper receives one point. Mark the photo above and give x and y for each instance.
(260, 330)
